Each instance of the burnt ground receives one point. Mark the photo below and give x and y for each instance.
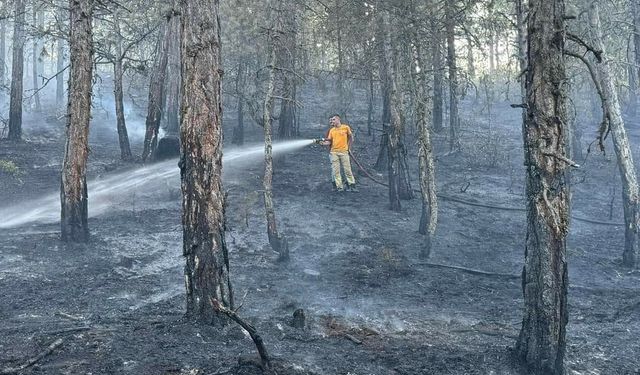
(372, 306)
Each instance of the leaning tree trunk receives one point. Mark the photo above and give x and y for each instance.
(630, 191)
(17, 72)
(123, 135)
(203, 223)
(173, 80)
(278, 243)
(34, 65)
(454, 121)
(156, 95)
(541, 343)
(73, 194)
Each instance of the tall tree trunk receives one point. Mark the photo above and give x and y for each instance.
(278, 243)
(541, 343)
(438, 73)
(3, 52)
(173, 81)
(611, 104)
(73, 194)
(34, 66)
(429, 215)
(203, 217)
(454, 121)
(287, 63)
(635, 65)
(123, 136)
(470, 59)
(156, 95)
(17, 73)
(241, 81)
(370, 99)
(393, 134)
(60, 62)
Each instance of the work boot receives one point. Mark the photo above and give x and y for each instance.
(353, 188)
(340, 189)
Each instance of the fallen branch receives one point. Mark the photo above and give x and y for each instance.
(471, 270)
(262, 351)
(34, 360)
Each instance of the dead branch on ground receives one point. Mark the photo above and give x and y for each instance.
(32, 361)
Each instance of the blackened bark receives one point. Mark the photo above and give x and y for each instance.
(156, 95)
(204, 247)
(17, 72)
(278, 243)
(172, 112)
(454, 121)
(73, 194)
(123, 136)
(541, 343)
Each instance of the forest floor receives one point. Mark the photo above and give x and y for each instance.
(372, 306)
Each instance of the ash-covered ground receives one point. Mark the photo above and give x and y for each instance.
(372, 306)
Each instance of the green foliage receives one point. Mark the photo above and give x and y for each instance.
(10, 168)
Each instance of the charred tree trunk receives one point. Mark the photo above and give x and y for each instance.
(17, 72)
(241, 81)
(278, 243)
(454, 121)
(34, 66)
(370, 100)
(438, 69)
(73, 194)
(541, 343)
(172, 112)
(203, 217)
(156, 95)
(429, 215)
(611, 105)
(470, 59)
(123, 136)
(394, 130)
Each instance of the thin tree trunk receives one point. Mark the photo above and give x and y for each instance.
(241, 81)
(156, 95)
(60, 63)
(438, 69)
(470, 59)
(203, 218)
(173, 81)
(286, 62)
(73, 194)
(278, 243)
(630, 191)
(370, 100)
(34, 66)
(123, 136)
(3, 52)
(17, 73)
(454, 136)
(541, 343)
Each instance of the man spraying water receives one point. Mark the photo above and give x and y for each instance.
(340, 139)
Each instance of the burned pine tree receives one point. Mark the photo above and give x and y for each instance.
(172, 107)
(156, 92)
(118, 72)
(17, 72)
(277, 241)
(399, 186)
(454, 120)
(203, 223)
(286, 62)
(73, 193)
(541, 343)
(60, 44)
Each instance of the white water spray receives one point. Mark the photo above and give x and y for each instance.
(112, 192)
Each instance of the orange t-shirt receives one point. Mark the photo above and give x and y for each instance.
(339, 137)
